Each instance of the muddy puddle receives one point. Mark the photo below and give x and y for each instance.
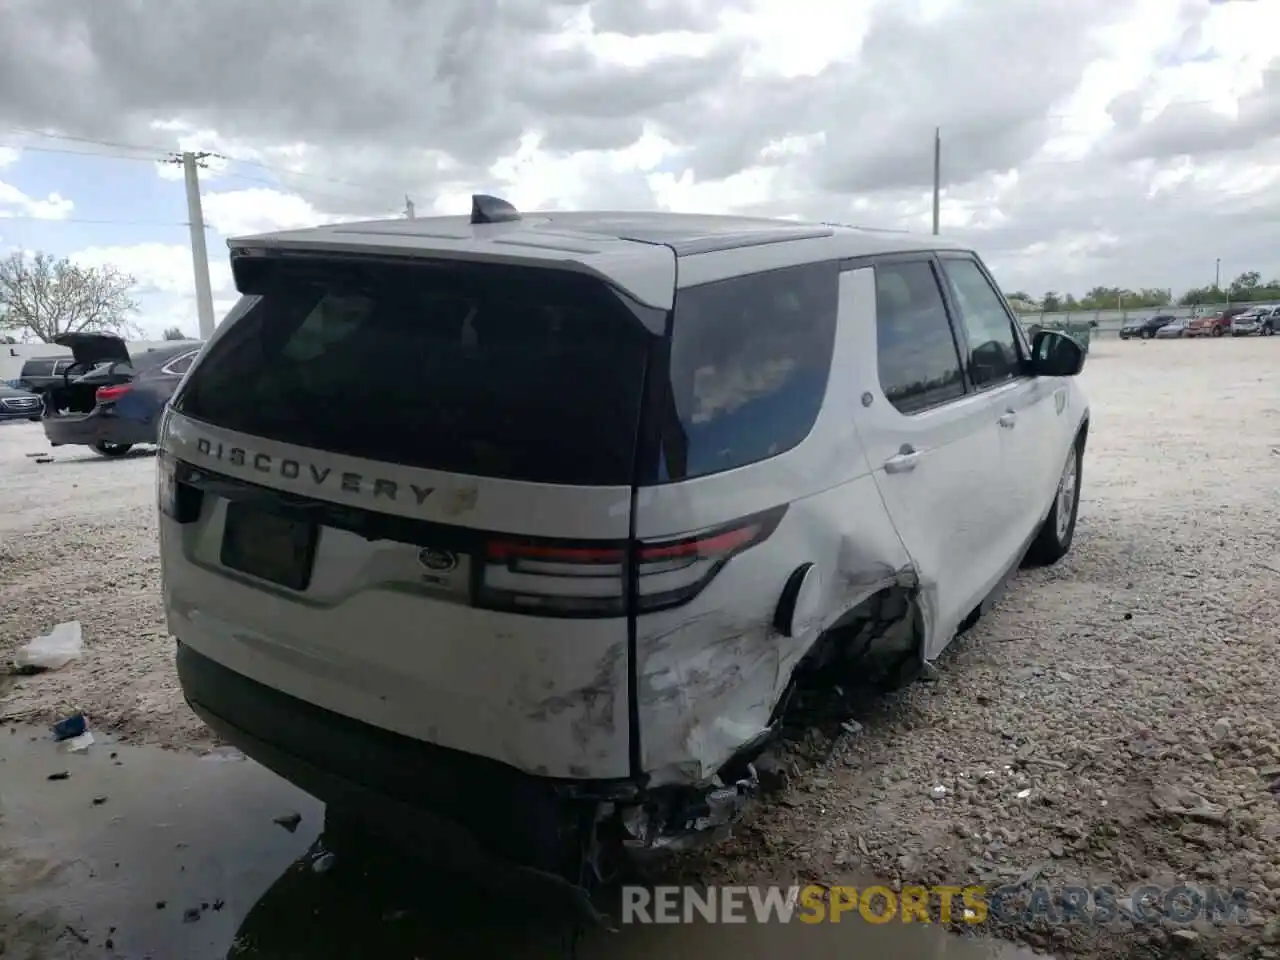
(142, 853)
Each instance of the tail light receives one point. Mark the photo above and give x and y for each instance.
(108, 394)
(558, 579)
(177, 500)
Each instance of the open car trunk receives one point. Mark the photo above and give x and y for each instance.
(101, 360)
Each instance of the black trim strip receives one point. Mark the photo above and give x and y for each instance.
(654, 407)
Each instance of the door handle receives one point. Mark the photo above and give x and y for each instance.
(1009, 420)
(904, 461)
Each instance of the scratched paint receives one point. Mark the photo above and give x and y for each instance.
(711, 672)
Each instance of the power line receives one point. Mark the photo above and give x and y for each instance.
(159, 155)
(91, 140)
(25, 148)
(124, 223)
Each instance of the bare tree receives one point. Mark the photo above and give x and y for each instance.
(175, 333)
(43, 296)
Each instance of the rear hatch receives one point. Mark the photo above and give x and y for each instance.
(99, 360)
(403, 492)
(91, 349)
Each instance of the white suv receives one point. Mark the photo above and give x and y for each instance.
(519, 531)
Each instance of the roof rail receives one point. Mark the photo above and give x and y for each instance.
(487, 209)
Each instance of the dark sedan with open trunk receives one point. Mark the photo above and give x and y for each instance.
(117, 400)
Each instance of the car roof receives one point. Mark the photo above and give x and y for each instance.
(688, 234)
(616, 245)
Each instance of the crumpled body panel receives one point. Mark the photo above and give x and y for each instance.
(710, 673)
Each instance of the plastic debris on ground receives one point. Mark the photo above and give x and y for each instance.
(78, 744)
(69, 727)
(53, 651)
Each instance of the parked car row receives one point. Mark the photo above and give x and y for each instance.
(101, 397)
(19, 404)
(1236, 321)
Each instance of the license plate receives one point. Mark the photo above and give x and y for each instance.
(270, 546)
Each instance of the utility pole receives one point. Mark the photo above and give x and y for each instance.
(1217, 273)
(408, 208)
(191, 162)
(937, 178)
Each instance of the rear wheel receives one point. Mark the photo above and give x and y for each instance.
(1054, 539)
(1217, 331)
(112, 449)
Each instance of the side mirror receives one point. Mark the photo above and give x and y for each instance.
(1055, 354)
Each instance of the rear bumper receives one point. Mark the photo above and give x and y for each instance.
(470, 813)
(90, 428)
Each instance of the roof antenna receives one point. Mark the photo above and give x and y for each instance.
(487, 209)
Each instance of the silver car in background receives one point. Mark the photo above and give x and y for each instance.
(1250, 322)
(1172, 330)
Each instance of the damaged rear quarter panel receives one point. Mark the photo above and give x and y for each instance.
(710, 672)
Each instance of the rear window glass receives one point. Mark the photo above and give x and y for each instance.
(506, 372)
(181, 365)
(37, 368)
(750, 358)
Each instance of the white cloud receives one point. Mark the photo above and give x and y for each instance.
(158, 267)
(9, 156)
(236, 213)
(15, 203)
(165, 286)
(1057, 160)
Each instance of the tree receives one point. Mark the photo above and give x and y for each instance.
(175, 333)
(1246, 284)
(1050, 302)
(43, 296)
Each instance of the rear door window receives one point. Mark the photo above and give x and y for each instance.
(494, 371)
(37, 368)
(180, 365)
(916, 349)
(994, 355)
(750, 357)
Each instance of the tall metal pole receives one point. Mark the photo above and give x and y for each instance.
(199, 255)
(409, 213)
(937, 178)
(1217, 274)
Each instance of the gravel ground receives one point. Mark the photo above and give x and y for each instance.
(1132, 689)
(78, 542)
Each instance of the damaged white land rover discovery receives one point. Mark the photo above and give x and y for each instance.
(519, 531)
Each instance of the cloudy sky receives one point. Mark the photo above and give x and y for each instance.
(1085, 142)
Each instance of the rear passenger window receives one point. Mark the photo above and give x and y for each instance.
(993, 348)
(181, 365)
(915, 346)
(750, 358)
(37, 368)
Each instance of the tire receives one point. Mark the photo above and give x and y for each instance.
(1053, 542)
(35, 419)
(112, 449)
(1217, 331)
